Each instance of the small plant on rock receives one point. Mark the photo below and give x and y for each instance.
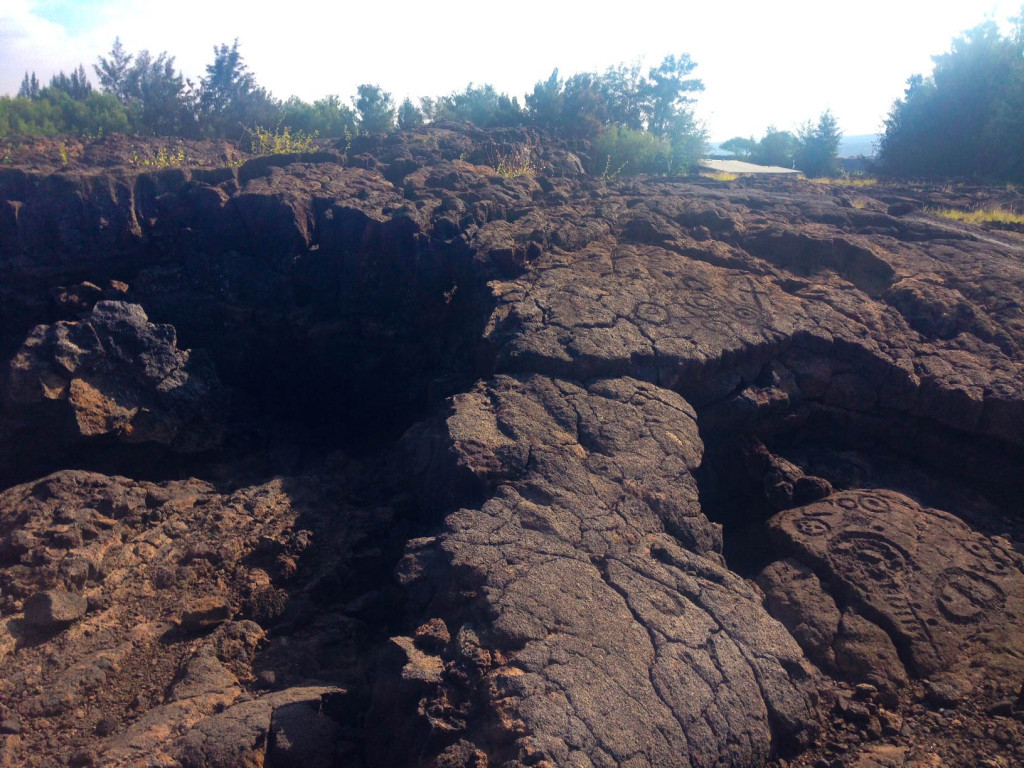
(263, 141)
(518, 162)
(164, 158)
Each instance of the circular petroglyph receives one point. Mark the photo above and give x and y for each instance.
(746, 314)
(991, 558)
(875, 504)
(812, 526)
(651, 313)
(702, 303)
(694, 283)
(964, 596)
(868, 555)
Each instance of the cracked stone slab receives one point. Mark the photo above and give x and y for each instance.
(600, 639)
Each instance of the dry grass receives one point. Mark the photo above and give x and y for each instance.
(846, 181)
(720, 176)
(979, 216)
(518, 162)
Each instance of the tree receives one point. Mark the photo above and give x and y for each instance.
(376, 109)
(739, 146)
(229, 97)
(480, 105)
(115, 73)
(409, 116)
(775, 148)
(30, 87)
(588, 105)
(626, 96)
(164, 103)
(77, 86)
(157, 98)
(544, 105)
(667, 87)
(585, 111)
(55, 112)
(963, 120)
(326, 116)
(818, 146)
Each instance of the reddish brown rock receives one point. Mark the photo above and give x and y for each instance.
(205, 612)
(54, 609)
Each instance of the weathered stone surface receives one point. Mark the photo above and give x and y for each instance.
(303, 737)
(54, 608)
(142, 555)
(586, 595)
(206, 612)
(795, 597)
(606, 388)
(115, 373)
(864, 653)
(948, 596)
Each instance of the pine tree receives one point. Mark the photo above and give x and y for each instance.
(818, 146)
(115, 73)
(30, 87)
(409, 116)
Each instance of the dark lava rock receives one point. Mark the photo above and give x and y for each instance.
(946, 594)
(113, 375)
(54, 609)
(206, 612)
(303, 737)
(589, 595)
(583, 397)
(795, 597)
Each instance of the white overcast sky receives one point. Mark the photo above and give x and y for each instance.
(763, 63)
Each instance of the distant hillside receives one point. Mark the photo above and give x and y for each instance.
(855, 146)
(850, 146)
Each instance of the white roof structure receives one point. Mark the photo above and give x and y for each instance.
(738, 166)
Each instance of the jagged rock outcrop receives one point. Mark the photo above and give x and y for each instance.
(588, 414)
(115, 373)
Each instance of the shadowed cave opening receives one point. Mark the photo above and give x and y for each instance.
(974, 477)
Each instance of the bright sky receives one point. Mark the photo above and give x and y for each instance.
(763, 63)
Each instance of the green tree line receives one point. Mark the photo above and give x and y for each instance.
(813, 149)
(966, 118)
(641, 119)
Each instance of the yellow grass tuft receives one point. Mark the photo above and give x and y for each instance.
(720, 176)
(846, 181)
(979, 216)
(518, 162)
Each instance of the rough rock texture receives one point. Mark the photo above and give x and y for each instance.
(951, 598)
(148, 573)
(567, 583)
(545, 470)
(114, 373)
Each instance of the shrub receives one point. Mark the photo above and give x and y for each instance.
(518, 162)
(281, 142)
(624, 150)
